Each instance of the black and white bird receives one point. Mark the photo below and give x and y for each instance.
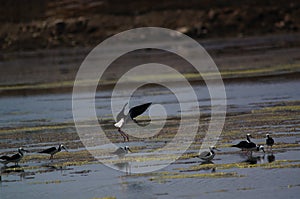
(260, 148)
(14, 158)
(245, 145)
(269, 141)
(53, 150)
(208, 155)
(122, 151)
(249, 147)
(122, 118)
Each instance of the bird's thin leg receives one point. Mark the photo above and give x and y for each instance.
(125, 135)
(249, 153)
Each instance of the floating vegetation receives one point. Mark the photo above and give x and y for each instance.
(293, 185)
(51, 182)
(217, 191)
(284, 108)
(242, 165)
(37, 128)
(196, 175)
(286, 145)
(245, 189)
(109, 197)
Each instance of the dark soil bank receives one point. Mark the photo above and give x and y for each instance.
(33, 24)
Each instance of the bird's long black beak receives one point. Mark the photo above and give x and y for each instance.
(217, 149)
(65, 149)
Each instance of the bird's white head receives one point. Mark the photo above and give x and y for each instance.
(21, 150)
(63, 147)
(126, 148)
(261, 148)
(213, 148)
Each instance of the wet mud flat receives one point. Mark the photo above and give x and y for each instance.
(230, 174)
(262, 97)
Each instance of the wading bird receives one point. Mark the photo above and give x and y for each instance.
(53, 150)
(208, 155)
(245, 144)
(248, 145)
(122, 118)
(14, 158)
(122, 151)
(269, 141)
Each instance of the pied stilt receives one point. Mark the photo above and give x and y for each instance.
(122, 118)
(208, 155)
(269, 141)
(122, 151)
(245, 144)
(53, 150)
(248, 145)
(14, 158)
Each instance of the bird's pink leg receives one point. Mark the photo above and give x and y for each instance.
(124, 135)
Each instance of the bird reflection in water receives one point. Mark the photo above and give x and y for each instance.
(123, 166)
(271, 158)
(51, 168)
(208, 162)
(13, 170)
(254, 159)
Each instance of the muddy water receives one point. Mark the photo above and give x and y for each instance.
(41, 178)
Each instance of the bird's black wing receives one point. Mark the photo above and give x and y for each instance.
(251, 145)
(241, 144)
(48, 150)
(138, 110)
(5, 157)
(16, 156)
(270, 141)
(118, 151)
(204, 154)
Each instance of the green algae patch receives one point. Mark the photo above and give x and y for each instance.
(51, 182)
(285, 145)
(74, 163)
(109, 197)
(196, 175)
(36, 128)
(245, 189)
(287, 108)
(217, 191)
(243, 165)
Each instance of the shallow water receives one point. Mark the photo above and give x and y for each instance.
(39, 178)
(97, 180)
(57, 108)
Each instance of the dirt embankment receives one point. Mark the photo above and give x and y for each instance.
(34, 24)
